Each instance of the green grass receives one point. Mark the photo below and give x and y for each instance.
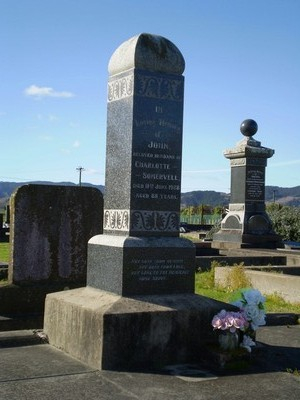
(204, 285)
(4, 252)
(294, 372)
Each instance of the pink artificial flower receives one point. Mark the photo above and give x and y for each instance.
(230, 320)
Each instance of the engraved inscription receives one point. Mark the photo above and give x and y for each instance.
(157, 270)
(255, 191)
(159, 221)
(116, 220)
(120, 88)
(255, 184)
(157, 160)
(159, 88)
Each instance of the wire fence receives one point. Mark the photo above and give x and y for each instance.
(198, 219)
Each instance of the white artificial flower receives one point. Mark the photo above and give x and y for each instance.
(253, 296)
(252, 304)
(247, 343)
(238, 304)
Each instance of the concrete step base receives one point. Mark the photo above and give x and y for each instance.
(110, 332)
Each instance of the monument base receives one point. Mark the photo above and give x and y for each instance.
(110, 332)
(234, 239)
(131, 266)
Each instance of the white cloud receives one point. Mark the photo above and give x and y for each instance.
(46, 138)
(40, 92)
(76, 143)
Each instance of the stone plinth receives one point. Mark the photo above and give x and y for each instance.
(141, 265)
(107, 331)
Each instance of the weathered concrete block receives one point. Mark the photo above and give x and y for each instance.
(107, 331)
(286, 286)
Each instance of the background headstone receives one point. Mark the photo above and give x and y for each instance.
(49, 230)
(247, 224)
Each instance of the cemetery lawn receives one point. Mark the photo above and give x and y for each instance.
(204, 286)
(4, 252)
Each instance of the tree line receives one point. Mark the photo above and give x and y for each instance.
(285, 221)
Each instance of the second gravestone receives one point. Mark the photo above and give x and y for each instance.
(139, 309)
(247, 225)
(140, 251)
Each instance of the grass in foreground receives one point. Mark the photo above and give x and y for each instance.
(204, 285)
(4, 252)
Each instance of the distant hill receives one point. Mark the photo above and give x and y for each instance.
(208, 197)
(7, 188)
(284, 196)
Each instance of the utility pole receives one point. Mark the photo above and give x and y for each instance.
(80, 169)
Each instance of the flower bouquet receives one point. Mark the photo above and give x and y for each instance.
(229, 323)
(243, 323)
(252, 305)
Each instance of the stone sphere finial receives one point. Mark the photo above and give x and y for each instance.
(248, 127)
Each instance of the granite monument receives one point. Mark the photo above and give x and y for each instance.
(138, 310)
(140, 251)
(247, 225)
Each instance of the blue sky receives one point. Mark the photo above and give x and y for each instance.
(242, 61)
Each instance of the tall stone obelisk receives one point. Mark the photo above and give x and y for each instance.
(141, 251)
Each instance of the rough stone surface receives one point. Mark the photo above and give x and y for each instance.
(50, 228)
(147, 51)
(107, 331)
